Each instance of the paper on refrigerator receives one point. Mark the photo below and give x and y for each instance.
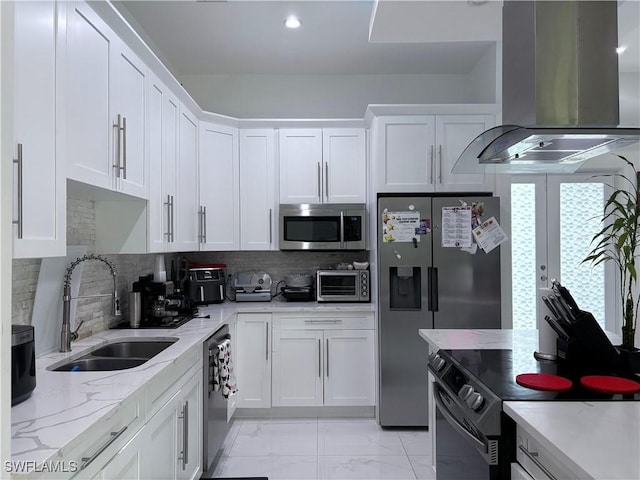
(489, 234)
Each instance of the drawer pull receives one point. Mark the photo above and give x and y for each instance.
(86, 461)
(316, 322)
(533, 456)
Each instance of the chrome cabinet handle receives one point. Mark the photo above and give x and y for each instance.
(270, 228)
(319, 358)
(113, 436)
(326, 180)
(200, 224)
(322, 321)
(185, 435)
(439, 163)
(168, 204)
(172, 221)
(119, 128)
(533, 456)
(431, 166)
(124, 148)
(20, 191)
(204, 222)
(319, 182)
(266, 346)
(327, 352)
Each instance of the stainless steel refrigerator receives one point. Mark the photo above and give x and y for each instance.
(423, 284)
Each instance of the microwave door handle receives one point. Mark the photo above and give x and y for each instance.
(341, 229)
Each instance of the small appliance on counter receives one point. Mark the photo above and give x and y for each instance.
(298, 288)
(252, 287)
(23, 363)
(206, 283)
(343, 286)
(161, 306)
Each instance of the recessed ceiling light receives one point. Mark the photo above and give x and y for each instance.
(292, 22)
(620, 50)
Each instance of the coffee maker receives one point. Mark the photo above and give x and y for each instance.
(161, 303)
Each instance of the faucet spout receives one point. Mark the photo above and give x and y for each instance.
(66, 335)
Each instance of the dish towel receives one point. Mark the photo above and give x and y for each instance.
(223, 377)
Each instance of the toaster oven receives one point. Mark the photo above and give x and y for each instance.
(343, 286)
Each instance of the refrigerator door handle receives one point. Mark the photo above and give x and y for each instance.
(432, 285)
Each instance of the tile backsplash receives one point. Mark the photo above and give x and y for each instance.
(96, 278)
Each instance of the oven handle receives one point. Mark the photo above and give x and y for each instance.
(456, 425)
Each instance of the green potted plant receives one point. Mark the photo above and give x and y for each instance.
(618, 242)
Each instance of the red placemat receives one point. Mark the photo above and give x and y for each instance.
(544, 381)
(608, 384)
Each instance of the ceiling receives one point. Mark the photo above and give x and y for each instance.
(337, 37)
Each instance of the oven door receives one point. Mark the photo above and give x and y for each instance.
(461, 451)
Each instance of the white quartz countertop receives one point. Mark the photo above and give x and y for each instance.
(594, 439)
(66, 404)
(597, 439)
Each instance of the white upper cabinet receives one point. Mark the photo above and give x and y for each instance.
(453, 134)
(322, 166)
(39, 212)
(301, 166)
(129, 82)
(257, 181)
(345, 166)
(163, 115)
(105, 93)
(88, 126)
(415, 153)
(187, 201)
(219, 206)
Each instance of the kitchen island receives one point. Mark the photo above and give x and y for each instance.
(590, 439)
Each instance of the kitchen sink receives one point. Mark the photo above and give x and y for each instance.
(117, 355)
(98, 364)
(132, 349)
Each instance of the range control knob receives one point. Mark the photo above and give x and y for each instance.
(465, 391)
(475, 401)
(437, 362)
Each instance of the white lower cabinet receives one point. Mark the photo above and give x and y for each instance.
(536, 461)
(326, 360)
(173, 436)
(253, 360)
(126, 463)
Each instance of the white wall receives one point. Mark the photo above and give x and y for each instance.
(481, 81)
(629, 84)
(328, 96)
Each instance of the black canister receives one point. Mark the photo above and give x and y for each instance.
(23, 363)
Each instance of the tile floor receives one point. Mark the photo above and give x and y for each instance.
(319, 449)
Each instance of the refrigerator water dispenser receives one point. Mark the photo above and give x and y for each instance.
(405, 288)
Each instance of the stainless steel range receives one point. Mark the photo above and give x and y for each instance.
(474, 437)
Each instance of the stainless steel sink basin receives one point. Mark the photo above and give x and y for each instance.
(100, 364)
(132, 349)
(117, 355)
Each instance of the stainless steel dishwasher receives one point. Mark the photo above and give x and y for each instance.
(215, 425)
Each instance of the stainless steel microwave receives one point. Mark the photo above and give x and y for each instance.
(323, 226)
(343, 286)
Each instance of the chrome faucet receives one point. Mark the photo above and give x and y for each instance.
(66, 335)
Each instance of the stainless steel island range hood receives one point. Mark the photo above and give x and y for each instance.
(559, 90)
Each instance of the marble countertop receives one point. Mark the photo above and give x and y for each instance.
(66, 404)
(594, 439)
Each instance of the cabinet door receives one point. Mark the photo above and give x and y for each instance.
(297, 368)
(190, 440)
(301, 166)
(40, 208)
(345, 174)
(349, 373)
(126, 463)
(88, 125)
(158, 206)
(253, 360)
(170, 159)
(453, 134)
(219, 188)
(404, 154)
(186, 202)
(159, 455)
(129, 156)
(257, 202)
